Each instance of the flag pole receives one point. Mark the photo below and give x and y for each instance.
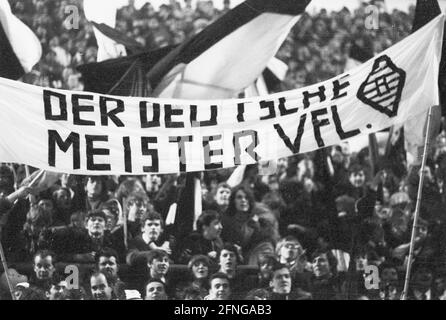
(418, 205)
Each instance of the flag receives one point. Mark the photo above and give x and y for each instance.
(415, 134)
(131, 46)
(20, 49)
(104, 11)
(241, 41)
(237, 176)
(210, 63)
(125, 76)
(41, 180)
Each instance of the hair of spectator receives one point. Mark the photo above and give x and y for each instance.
(266, 258)
(260, 293)
(75, 294)
(7, 178)
(54, 194)
(192, 292)
(102, 180)
(218, 275)
(36, 216)
(107, 253)
(57, 278)
(332, 261)
(356, 168)
(110, 205)
(152, 215)
(127, 187)
(228, 246)
(152, 280)
(284, 240)
(137, 196)
(96, 213)
(46, 253)
(206, 218)
(231, 207)
(198, 258)
(223, 185)
(156, 254)
(97, 274)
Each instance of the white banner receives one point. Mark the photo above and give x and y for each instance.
(88, 133)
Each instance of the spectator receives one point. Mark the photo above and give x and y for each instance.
(199, 269)
(99, 287)
(229, 259)
(206, 240)
(36, 234)
(155, 290)
(240, 223)
(44, 269)
(290, 253)
(325, 284)
(281, 285)
(263, 277)
(80, 246)
(220, 288)
(107, 263)
(221, 198)
(96, 190)
(63, 206)
(151, 238)
(422, 278)
(58, 288)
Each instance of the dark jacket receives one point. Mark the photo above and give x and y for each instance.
(71, 241)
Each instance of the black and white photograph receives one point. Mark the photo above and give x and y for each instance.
(242, 151)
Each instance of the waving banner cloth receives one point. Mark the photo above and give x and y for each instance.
(20, 49)
(104, 11)
(87, 133)
(249, 36)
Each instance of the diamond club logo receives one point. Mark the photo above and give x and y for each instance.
(383, 87)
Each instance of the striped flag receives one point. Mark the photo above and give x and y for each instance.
(219, 62)
(20, 49)
(104, 12)
(228, 55)
(414, 133)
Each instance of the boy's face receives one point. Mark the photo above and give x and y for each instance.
(222, 196)
(153, 229)
(321, 266)
(357, 179)
(155, 291)
(220, 289)
(281, 281)
(43, 267)
(228, 260)
(160, 266)
(136, 208)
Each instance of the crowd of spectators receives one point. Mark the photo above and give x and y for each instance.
(308, 231)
